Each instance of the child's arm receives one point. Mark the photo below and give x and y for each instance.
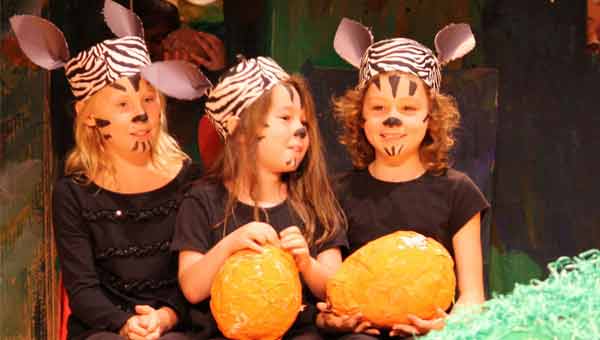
(469, 269)
(314, 271)
(469, 263)
(197, 270)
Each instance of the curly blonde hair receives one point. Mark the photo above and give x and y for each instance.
(435, 147)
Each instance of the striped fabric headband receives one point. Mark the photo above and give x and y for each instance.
(106, 62)
(354, 43)
(239, 87)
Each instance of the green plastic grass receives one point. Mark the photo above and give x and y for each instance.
(564, 306)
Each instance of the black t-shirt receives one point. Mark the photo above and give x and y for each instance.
(200, 227)
(435, 206)
(114, 251)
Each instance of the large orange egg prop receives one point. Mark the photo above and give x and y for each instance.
(395, 275)
(256, 295)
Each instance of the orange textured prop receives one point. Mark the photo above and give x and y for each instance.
(395, 275)
(256, 296)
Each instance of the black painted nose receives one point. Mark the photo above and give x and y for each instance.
(392, 121)
(140, 118)
(301, 132)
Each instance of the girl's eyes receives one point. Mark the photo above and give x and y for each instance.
(285, 117)
(149, 99)
(377, 108)
(122, 104)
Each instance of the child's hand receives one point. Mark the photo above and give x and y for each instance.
(328, 320)
(294, 242)
(253, 235)
(132, 329)
(149, 319)
(419, 326)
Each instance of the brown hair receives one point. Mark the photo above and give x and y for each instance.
(435, 148)
(309, 192)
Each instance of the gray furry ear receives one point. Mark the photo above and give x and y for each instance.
(351, 41)
(42, 42)
(454, 41)
(121, 21)
(177, 79)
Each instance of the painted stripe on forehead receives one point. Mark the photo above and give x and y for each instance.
(394, 80)
(135, 81)
(119, 87)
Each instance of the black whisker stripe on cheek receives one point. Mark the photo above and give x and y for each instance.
(142, 118)
(135, 146)
(135, 81)
(387, 151)
(393, 150)
(426, 118)
(102, 123)
(394, 80)
(412, 88)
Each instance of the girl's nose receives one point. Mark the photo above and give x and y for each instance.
(300, 133)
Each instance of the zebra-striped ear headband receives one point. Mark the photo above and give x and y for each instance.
(104, 63)
(239, 87)
(354, 43)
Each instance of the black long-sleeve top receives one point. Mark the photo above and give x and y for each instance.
(114, 251)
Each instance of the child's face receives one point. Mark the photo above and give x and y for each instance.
(396, 113)
(284, 140)
(127, 114)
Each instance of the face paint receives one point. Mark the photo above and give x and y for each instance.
(143, 118)
(301, 132)
(101, 123)
(129, 120)
(376, 82)
(412, 88)
(118, 86)
(135, 82)
(426, 118)
(392, 121)
(284, 140)
(394, 80)
(395, 115)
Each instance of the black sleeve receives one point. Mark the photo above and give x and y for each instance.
(87, 300)
(337, 240)
(193, 225)
(467, 200)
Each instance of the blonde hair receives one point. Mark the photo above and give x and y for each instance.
(435, 147)
(87, 159)
(309, 192)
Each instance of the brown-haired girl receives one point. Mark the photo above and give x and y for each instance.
(398, 130)
(269, 186)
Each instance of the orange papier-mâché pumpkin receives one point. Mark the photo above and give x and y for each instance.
(256, 295)
(395, 275)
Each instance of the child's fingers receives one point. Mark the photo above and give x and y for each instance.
(324, 307)
(253, 246)
(363, 326)
(299, 251)
(289, 230)
(402, 329)
(143, 309)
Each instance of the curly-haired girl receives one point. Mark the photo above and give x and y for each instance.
(398, 130)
